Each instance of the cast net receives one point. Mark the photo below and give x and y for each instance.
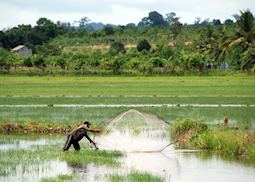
(135, 131)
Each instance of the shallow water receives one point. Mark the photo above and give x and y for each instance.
(142, 143)
(143, 153)
(35, 172)
(173, 165)
(26, 144)
(178, 165)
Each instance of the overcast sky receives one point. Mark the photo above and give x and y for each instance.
(14, 12)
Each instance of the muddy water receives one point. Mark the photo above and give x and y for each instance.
(25, 144)
(142, 154)
(144, 144)
(173, 165)
(141, 137)
(35, 172)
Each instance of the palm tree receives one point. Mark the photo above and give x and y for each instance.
(243, 38)
(245, 35)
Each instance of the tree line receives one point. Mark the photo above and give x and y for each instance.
(156, 45)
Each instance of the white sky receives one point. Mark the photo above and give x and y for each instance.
(14, 12)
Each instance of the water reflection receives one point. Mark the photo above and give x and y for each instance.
(26, 144)
(192, 168)
(35, 172)
(142, 146)
(173, 165)
(143, 153)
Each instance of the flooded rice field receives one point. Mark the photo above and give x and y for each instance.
(145, 142)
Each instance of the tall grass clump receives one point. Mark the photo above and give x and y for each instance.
(184, 130)
(227, 141)
(251, 153)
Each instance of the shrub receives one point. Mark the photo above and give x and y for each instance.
(108, 30)
(28, 62)
(117, 47)
(182, 126)
(39, 61)
(158, 62)
(251, 153)
(143, 45)
(226, 141)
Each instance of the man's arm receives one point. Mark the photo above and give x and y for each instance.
(91, 130)
(91, 141)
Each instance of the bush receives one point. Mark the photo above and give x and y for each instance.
(6, 58)
(28, 62)
(182, 126)
(158, 62)
(39, 61)
(145, 68)
(117, 47)
(226, 141)
(143, 45)
(108, 30)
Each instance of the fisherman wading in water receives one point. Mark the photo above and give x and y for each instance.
(77, 134)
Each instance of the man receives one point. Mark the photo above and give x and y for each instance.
(77, 134)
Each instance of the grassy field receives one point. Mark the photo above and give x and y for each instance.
(13, 158)
(128, 100)
(125, 90)
(127, 86)
(15, 90)
(101, 116)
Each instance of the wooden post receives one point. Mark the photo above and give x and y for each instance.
(225, 121)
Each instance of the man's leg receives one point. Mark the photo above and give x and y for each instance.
(68, 143)
(76, 146)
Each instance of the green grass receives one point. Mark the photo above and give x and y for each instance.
(60, 116)
(240, 116)
(127, 100)
(227, 141)
(101, 116)
(235, 89)
(60, 178)
(9, 159)
(135, 176)
(116, 86)
(7, 138)
(90, 156)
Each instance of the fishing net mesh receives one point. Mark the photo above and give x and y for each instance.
(134, 131)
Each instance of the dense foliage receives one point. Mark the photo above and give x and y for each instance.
(157, 45)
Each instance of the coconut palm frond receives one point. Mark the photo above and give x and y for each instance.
(237, 42)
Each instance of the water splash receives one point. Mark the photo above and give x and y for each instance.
(134, 131)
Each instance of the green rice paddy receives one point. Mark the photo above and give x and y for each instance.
(50, 90)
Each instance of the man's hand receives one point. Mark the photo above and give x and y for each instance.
(97, 130)
(94, 145)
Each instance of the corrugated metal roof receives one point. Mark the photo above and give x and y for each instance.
(18, 47)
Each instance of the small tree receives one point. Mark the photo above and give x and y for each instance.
(28, 62)
(228, 22)
(157, 61)
(39, 61)
(108, 30)
(117, 47)
(115, 65)
(143, 45)
(5, 58)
